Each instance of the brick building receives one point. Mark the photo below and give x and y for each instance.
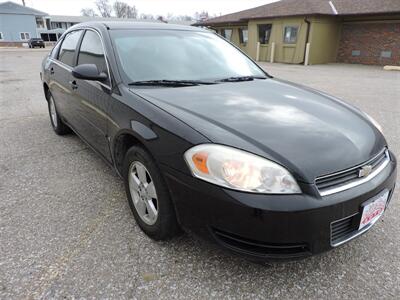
(375, 44)
(316, 31)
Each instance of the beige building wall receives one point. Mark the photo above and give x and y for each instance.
(235, 35)
(285, 53)
(324, 40)
(324, 36)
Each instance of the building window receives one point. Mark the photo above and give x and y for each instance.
(55, 25)
(24, 36)
(1, 36)
(290, 35)
(52, 37)
(386, 54)
(227, 33)
(39, 22)
(243, 35)
(48, 23)
(264, 33)
(45, 37)
(49, 37)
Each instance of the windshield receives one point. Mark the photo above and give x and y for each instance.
(179, 55)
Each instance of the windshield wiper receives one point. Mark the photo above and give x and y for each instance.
(165, 82)
(241, 78)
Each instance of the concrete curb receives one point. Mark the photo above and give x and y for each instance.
(391, 68)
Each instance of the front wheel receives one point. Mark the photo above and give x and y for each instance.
(148, 195)
(57, 123)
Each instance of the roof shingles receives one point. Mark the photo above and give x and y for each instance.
(285, 8)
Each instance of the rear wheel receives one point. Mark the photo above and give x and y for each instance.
(58, 125)
(148, 195)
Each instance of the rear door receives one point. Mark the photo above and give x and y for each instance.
(92, 98)
(60, 75)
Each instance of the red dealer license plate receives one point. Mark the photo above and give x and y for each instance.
(374, 210)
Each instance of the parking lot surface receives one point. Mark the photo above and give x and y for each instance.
(66, 229)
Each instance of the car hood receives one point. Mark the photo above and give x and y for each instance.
(310, 133)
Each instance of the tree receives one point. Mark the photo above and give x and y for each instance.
(88, 12)
(202, 16)
(123, 10)
(161, 19)
(104, 8)
(172, 17)
(147, 17)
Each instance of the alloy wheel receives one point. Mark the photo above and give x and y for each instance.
(53, 112)
(143, 193)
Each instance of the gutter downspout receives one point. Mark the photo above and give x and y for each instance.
(307, 37)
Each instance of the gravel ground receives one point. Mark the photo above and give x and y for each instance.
(66, 229)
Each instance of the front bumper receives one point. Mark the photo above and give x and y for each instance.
(272, 226)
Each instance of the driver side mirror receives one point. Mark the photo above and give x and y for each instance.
(88, 72)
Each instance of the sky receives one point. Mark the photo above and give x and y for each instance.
(155, 7)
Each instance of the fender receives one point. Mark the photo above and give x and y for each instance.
(141, 135)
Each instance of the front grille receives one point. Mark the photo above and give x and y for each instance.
(260, 249)
(346, 179)
(344, 228)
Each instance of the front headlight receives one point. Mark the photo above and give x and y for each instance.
(239, 170)
(374, 122)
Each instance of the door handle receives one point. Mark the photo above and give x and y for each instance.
(73, 84)
(51, 70)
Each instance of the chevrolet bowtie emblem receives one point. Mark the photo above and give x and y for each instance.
(365, 171)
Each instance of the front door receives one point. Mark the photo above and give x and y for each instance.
(92, 98)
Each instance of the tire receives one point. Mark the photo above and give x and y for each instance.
(142, 200)
(57, 123)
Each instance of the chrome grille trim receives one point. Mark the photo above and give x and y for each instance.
(358, 181)
(352, 235)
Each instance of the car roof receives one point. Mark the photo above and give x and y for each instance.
(117, 25)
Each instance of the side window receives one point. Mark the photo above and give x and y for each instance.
(290, 35)
(264, 33)
(227, 33)
(243, 35)
(68, 47)
(91, 51)
(54, 52)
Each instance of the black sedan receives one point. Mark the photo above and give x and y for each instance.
(206, 141)
(36, 42)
